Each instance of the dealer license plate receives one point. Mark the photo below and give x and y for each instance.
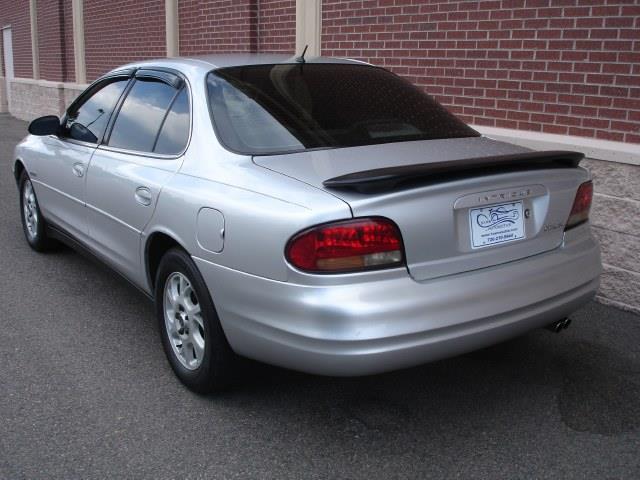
(496, 224)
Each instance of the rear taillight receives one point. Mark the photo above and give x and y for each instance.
(350, 245)
(581, 205)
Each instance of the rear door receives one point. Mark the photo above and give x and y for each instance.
(140, 154)
(62, 162)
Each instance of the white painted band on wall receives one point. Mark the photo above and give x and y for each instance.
(172, 28)
(35, 49)
(593, 148)
(50, 83)
(308, 26)
(78, 41)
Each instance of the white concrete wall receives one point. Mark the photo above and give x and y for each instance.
(4, 107)
(615, 214)
(34, 98)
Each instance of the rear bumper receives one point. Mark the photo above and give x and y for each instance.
(374, 326)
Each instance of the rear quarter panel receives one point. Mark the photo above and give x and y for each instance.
(261, 210)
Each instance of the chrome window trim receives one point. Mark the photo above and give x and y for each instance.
(138, 153)
(75, 142)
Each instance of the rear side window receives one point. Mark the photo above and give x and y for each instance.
(142, 115)
(88, 121)
(262, 109)
(175, 130)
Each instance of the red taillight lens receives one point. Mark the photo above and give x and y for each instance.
(581, 205)
(349, 245)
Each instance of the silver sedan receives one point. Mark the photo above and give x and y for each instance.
(323, 215)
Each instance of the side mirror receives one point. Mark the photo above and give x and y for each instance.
(48, 125)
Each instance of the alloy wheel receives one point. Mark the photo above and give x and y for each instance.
(183, 321)
(30, 210)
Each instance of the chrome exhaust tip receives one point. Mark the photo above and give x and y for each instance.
(559, 325)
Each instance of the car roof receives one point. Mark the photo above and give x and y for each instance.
(215, 61)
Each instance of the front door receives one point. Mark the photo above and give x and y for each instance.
(61, 164)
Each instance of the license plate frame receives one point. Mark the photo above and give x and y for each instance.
(497, 224)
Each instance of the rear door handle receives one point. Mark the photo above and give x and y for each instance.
(143, 196)
(78, 169)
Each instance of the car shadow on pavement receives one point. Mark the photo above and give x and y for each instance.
(582, 377)
(588, 386)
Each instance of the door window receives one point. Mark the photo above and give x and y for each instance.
(175, 130)
(142, 115)
(88, 121)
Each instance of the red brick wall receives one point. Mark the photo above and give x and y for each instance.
(277, 26)
(237, 26)
(557, 66)
(16, 14)
(54, 37)
(121, 31)
(217, 26)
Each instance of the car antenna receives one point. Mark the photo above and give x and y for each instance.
(301, 59)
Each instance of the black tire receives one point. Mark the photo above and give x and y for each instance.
(215, 370)
(38, 239)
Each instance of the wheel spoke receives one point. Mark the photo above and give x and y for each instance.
(170, 299)
(187, 352)
(173, 293)
(198, 345)
(191, 308)
(196, 321)
(172, 328)
(184, 286)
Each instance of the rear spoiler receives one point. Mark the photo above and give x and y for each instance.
(387, 178)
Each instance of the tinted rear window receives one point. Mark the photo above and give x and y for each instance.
(262, 109)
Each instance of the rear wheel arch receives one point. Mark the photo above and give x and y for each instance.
(18, 168)
(158, 244)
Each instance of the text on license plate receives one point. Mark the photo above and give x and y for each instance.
(496, 224)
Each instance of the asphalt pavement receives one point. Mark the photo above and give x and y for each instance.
(85, 392)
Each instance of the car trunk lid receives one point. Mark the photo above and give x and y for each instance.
(460, 204)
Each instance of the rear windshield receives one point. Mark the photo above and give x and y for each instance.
(266, 109)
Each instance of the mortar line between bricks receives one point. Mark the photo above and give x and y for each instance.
(617, 304)
(619, 268)
(618, 198)
(598, 227)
